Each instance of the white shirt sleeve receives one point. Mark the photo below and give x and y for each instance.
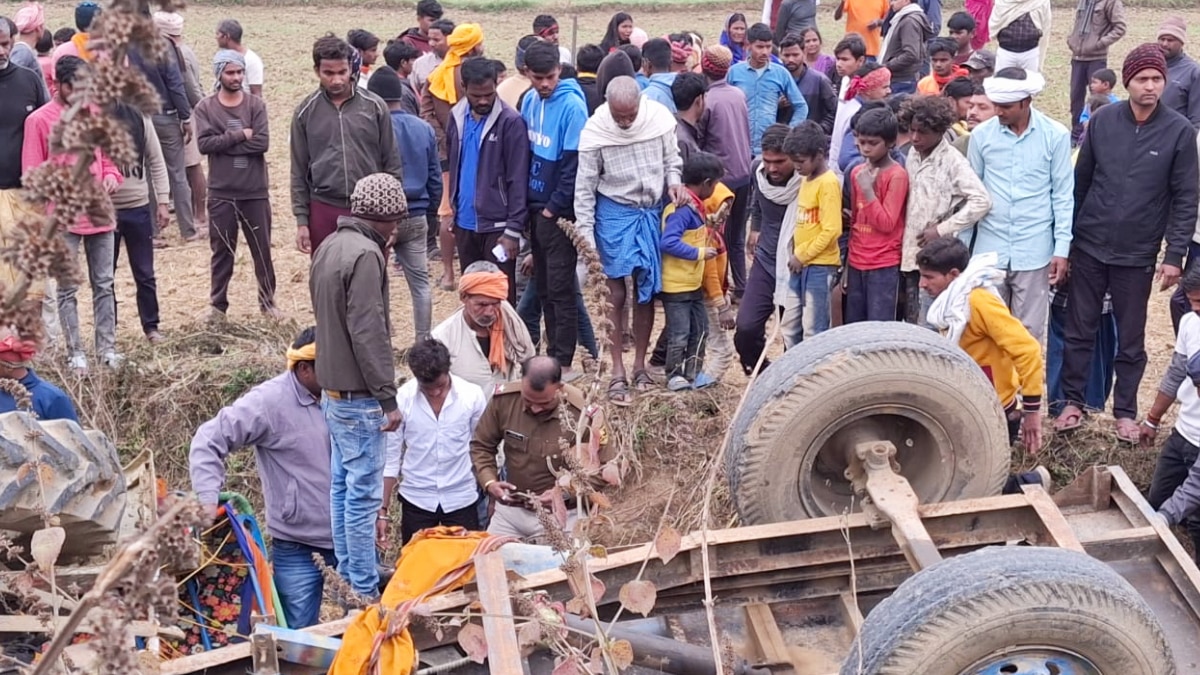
(395, 443)
(254, 69)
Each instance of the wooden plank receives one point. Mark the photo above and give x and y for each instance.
(851, 612)
(1091, 488)
(1132, 544)
(1056, 523)
(32, 624)
(762, 629)
(504, 653)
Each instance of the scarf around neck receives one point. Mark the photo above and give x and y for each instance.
(951, 311)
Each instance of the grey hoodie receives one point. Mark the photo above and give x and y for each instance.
(905, 44)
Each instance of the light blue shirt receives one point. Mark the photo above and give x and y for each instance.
(1032, 184)
(658, 88)
(763, 88)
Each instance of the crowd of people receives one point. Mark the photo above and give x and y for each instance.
(906, 175)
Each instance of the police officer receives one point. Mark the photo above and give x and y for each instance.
(524, 415)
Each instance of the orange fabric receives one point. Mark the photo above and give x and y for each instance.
(860, 13)
(436, 561)
(932, 85)
(80, 40)
(716, 270)
(491, 285)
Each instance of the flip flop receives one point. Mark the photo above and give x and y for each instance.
(1070, 419)
(1128, 431)
(618, 392)
(642, 381)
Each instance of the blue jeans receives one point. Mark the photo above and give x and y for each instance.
(1100, 377)
(687, 323)
(871, 295)
(904, 87)
(530, 309)
(299, 581)
(814, 285)
(356, 495)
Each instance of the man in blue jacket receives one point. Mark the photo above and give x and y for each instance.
(555, 111)
(765, 83)
(487, 147)
(417, 146)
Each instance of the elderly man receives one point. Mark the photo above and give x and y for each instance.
(525, 416)
(1136, 183)
(1182, 92)
(628, 152)
(486, 337)
(170, 24)
(1024, 160)
(46, 401)
(349, 287)
(282, 421)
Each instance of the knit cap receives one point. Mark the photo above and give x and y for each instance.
(379, 196)
(716, 60)
(85, 13)
(385, 84)
(1144, 56)
(1174, 26)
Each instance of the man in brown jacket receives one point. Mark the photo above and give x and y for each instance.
(349, 287)
(1098, 26)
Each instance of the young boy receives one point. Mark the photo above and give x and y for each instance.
(962, 30)
(684, 251)
(942, 52)
(878, 197)
(1102, 84)
(718, 345)
(968, 309)
(815, 255)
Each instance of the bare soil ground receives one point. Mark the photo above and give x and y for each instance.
(168, 390)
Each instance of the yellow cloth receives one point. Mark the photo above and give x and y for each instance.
(818, 221)
(716, 270)
(80, 40)
(678, 274)
(465, 37)
(306, 353)
(429, 566)
(1004, 349)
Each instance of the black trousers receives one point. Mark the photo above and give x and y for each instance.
(554, 258)
(413, 519)
(473, 247)
(1081, 78)
(1179, 302)
(756, 309)
(735, 238)
(253, 217)
(135, 227)
(1130, 291)
(1174, 463)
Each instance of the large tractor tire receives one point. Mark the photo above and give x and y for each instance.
(55, 468)
(803, 417)
(1012, 609)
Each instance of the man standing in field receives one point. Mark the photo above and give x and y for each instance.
(233, 134)
(229, 36)
(339, 136)
(428, 11)
(1182, 93)
(439, 33)
(348, 283)
(1098, 26)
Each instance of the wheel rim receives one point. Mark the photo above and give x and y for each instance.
(924, 451)
(1034, 661)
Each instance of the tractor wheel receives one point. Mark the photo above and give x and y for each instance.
(1012, 609)
(55, 468)
(871, 381)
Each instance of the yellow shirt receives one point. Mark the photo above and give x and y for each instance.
(682, 275)
(818, 221)
(1004, 349)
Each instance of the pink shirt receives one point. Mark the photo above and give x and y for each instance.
(36, 151)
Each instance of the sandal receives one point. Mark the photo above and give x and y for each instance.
(1128, 431)
(1070, 419)
(618, 392)
(642, 381)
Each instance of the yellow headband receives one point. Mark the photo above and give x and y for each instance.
(306, 353)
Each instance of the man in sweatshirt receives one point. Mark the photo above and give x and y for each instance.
(417, 147)
(233, 134)
(339, 135)
(1182, 93)
(903, 51)
(555, 111)
(487, 147)
(1136, 183)
(428, 11)
(1098, 26)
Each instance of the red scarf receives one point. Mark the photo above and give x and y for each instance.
(956, 73)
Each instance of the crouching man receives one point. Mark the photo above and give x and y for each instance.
(282, 420)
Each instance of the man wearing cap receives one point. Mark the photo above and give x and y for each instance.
(514, 86)
(1136, 183)
(231, 126)
(981, 65)
(170, 25)
(86, 14)
(46, 401)
(282, 420)
(417, 148)
(30, 22)
(486, 337)
(1024, 160)
(1098, 26)
(348, 283)
(1182, 93)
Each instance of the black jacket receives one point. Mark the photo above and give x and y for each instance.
(1134, 184)
(21, 92)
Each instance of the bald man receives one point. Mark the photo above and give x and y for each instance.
(627, 154)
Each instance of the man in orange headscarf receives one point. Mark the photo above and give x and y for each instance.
(486, 337)
(46, 401)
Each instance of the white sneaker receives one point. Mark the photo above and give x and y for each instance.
(112, 360)
(79, 365)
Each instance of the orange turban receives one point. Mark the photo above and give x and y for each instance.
(490, 285)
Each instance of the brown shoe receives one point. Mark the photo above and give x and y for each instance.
(155, 337)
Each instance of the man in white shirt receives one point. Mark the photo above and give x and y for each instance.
(430, 454)
(438, 32)
(229, 36)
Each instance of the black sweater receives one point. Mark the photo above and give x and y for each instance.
(1135, 184)
(21, 92)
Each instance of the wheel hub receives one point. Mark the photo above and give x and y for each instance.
(1034, 661)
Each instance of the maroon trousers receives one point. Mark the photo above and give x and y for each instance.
(322, 221)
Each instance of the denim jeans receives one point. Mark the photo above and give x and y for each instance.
(530, 309)
(871, 295)
(814, 285)
(356, 494)
(411, 252)
(1100, 375)
(299, 581)
(135, 227)
(687, 322)
(100, 253)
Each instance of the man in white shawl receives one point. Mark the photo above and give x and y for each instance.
(1022, 31)
(629, 165)
(968, 310)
